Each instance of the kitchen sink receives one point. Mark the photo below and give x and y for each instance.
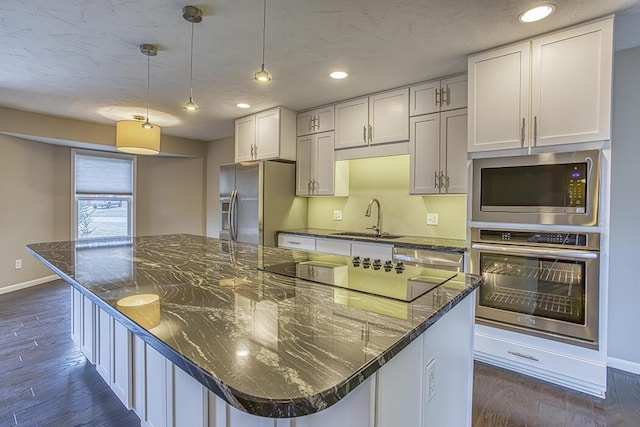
(367, 235)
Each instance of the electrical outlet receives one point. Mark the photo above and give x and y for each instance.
(18, 264)
(432, 219)
(337, 215)
(430, 377)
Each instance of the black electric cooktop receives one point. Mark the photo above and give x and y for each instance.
(382, 278)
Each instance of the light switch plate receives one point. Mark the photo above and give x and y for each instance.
(337, 215)
(432, 219)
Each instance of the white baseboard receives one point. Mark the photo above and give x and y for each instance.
(624, 365)
(23, 285)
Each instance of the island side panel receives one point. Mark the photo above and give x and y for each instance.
(404, 382)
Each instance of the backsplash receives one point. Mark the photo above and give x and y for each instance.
(387, 179)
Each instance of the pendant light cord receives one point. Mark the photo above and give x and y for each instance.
(264, 29)
(148, 73)
(191, 70)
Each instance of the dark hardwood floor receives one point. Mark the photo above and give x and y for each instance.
(45, 380)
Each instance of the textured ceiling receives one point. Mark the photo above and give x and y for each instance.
(80, 58)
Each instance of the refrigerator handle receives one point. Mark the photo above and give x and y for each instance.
(232, 216)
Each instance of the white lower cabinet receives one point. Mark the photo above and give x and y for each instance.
(103, 344)
(293, 241)
(372, 250)
(121, 379)
(333, 246)
(76, 315)
(336, 246)
(87, 328)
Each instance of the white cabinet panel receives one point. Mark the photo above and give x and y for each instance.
(438, 95)
(389, 117)
(372, 250)
(267, 134)
(103, 345)
(190, 401)
(87, 330)
(333, 246)
(245, 138)
(315, 121)
(296, 242)
(352, 121)
(122, 363)
(76, 315)
(438, 153)
(499, 98)
(571, 85)
(324, 168)
(317, 172)
(156, 390)
(424, 154)
(304, 162)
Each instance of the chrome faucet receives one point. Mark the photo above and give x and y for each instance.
(377, 229)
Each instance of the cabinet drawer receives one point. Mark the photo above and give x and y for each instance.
(373, 251)
(296, 242)
(333, 246)
(538, 362)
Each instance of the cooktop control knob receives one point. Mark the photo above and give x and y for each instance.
(388, 266)
(366, 263)
(356, 261)
(377, 264)
(399, 267)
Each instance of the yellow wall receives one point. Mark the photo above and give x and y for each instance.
(387, 179)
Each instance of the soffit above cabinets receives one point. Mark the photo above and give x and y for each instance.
(80, 59)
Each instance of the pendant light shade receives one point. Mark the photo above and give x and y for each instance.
(263, 76)
(134, 137)
(194, 15)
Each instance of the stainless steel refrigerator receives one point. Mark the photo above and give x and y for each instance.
(258, 199)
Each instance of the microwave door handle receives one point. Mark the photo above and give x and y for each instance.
(557, 253)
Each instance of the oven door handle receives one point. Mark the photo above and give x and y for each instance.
(558, 253)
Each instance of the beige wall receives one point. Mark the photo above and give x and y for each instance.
(387, 179)
(170, 196)
(32, 205)
(35, 192)
(220, 152)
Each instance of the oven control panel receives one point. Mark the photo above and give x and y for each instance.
(535, 237)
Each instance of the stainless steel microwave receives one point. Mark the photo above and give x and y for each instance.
(548, 188)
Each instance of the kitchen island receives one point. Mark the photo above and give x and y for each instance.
(190, 330)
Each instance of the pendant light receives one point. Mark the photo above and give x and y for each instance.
(131, 136)
(263, 76)
(194, 15)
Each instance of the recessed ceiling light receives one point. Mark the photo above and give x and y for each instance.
(243, 105)
(338, 75)
(537, 13)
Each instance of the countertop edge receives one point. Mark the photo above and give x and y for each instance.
(272, 408)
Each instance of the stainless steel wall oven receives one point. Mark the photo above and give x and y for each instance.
(548, 188)
(541, 283)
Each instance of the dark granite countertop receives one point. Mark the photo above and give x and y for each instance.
(267, 344)
(417, 242)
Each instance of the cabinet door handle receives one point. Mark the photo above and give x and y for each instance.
(444, 97)
(364, 134)
(310, 123)
(436, 179)
(293, 243)
(524, 356)
(522, 133)
(535, 130)
(437, 93)
(309, 187)
(444, 180)
(317, 122)
(370, 134)
(251, 151)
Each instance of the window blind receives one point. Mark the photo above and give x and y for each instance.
(103, 175)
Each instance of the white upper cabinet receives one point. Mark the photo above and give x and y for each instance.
(438, 153)
(499, 98)
(315, 121)
(438, 95)
(571, 85)
(266, 135)
(554, 89)
(317, 173)
(377, 119)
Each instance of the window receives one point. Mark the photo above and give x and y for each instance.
(103, 195)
